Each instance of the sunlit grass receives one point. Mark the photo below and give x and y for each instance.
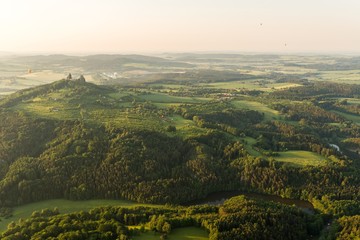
(269, 113)
(345, 76)
(164, 98)
(301, 158)
(249, 142)
(352, 117)
(248, 84)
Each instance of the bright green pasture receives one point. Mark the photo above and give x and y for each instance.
(64, 206)
(279, 86)
(118, 95)
(301, 158)
(351, 101)
(164, 98)
(191, 131)
(187, 233)
(351, 117)
(181, 122)
(248, 144)
(270, 114)
(185, 128)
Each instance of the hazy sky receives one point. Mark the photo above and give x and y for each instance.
(179, 25)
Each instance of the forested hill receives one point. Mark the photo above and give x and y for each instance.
(239, 218)
(76, 140)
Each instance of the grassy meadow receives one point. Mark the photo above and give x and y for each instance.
(269, 114)
(344, 76)
(165, 98)
(352, 117)
(248, 143)
(258, 84)
(301, 158)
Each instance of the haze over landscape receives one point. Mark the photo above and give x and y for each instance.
(111, 26)
(179, 120)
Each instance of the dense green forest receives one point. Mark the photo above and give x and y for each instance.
(237, 218)
(171, 142)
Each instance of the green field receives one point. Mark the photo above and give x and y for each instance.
(52, 111)
(351, 101)
(181, 122)
(187, 129)
(164, 98)
(187, 233)
(301, 158)
(345, 76)
(257, 84)
(279, 86)
(64, 206)
(351, 117)
(270, 114)
(249, 142)
(248, 84)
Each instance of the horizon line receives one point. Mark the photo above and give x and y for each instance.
(89, 53)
